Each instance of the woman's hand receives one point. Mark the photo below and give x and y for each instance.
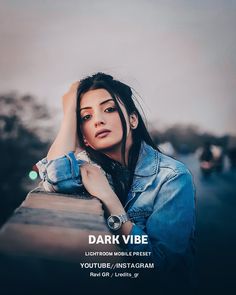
(95, 181)
(69, 99)
(97, 185)
(67, 139)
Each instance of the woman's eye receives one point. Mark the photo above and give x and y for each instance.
(110, 109)
(85, 118)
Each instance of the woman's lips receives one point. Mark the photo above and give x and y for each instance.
(103, 134)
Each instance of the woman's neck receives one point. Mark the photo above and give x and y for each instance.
(116, 153)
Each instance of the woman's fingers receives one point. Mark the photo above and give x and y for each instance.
(83, 171)
(86, 171)
(94, 180)
(75, 84)
(89, 170)
(69, 99)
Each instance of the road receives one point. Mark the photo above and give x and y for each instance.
(216, 228)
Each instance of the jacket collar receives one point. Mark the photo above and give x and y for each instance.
(147, 166)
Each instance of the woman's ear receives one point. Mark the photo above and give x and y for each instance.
(133, 120)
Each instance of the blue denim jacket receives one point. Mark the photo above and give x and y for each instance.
(161, 202)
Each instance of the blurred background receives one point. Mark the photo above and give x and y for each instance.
(178, 56)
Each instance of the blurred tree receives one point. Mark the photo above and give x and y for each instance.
(23, 141)
(186, 139)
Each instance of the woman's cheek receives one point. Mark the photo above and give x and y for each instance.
(85, 129)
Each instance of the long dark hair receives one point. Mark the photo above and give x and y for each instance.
(123, 93)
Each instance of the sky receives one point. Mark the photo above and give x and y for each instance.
(178, 55)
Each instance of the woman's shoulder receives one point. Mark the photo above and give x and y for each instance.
(152, 161)
(170, 165)
(172, 169)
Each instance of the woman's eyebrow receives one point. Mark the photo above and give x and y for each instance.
(101, 103)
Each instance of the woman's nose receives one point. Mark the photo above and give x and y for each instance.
(99, 120)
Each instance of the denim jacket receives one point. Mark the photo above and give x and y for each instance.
(160, 203)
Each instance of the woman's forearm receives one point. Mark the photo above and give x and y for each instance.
(66, 139)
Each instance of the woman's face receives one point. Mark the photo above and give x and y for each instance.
(100, 121)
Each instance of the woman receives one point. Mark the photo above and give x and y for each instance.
(145, 192)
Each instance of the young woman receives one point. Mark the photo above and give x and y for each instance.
(104, 147)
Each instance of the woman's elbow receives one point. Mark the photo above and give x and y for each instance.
(68, 186)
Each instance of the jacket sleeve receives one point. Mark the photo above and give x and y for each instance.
(61, 175)
(170, 228)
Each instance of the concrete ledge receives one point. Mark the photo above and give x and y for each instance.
(55, 226)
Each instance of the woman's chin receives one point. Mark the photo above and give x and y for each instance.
(107, 146)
